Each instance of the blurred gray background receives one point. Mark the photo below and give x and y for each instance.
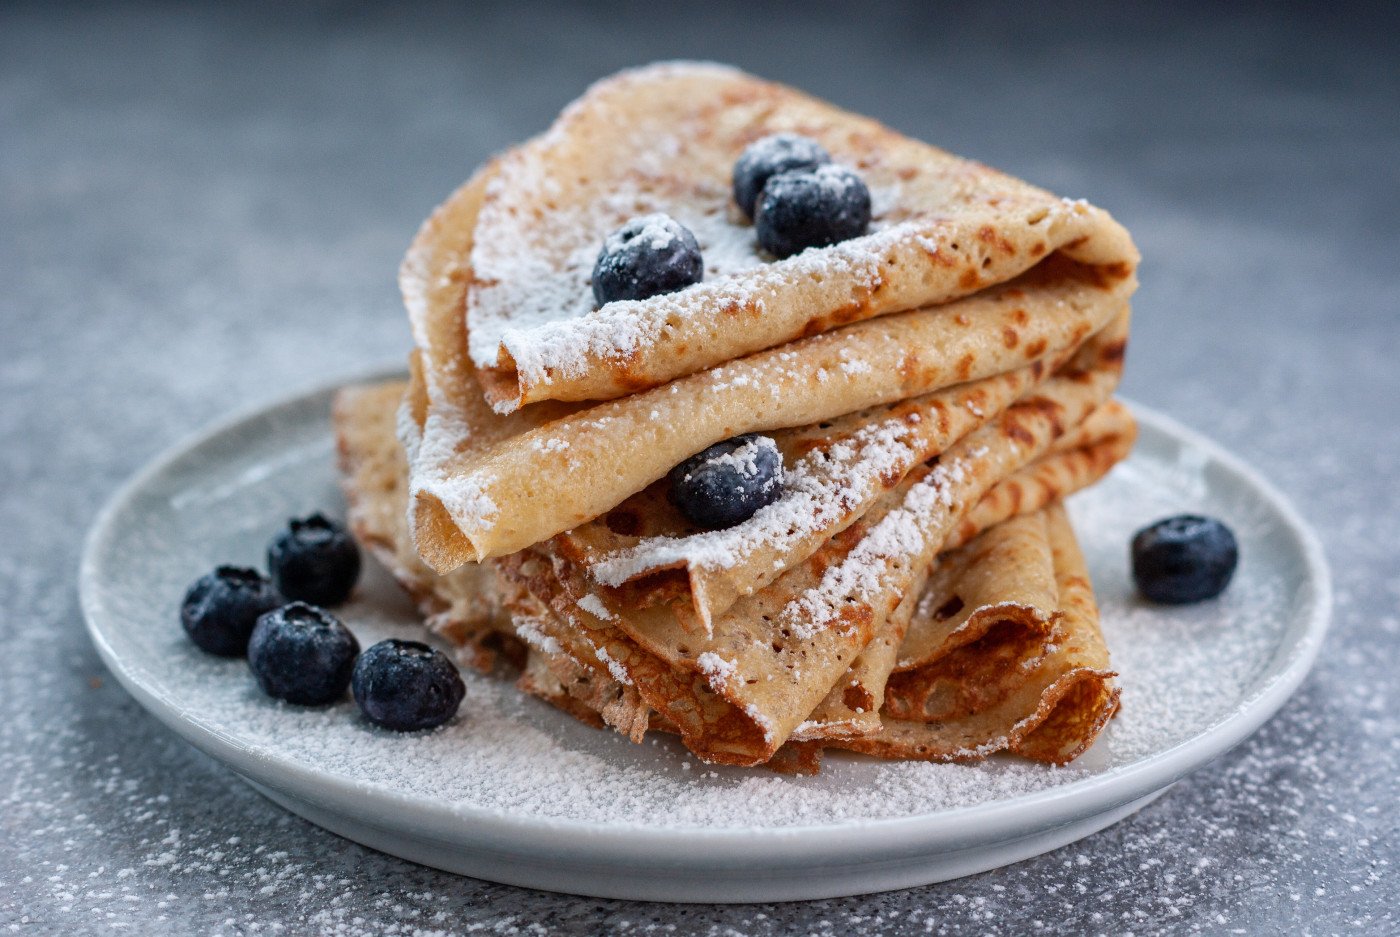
(202, 208)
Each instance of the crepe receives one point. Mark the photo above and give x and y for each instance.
(1077, 460)
(563, 666)
(470, 498)
(558, 677)
(1003, 556)
(794, 638)
(932, 386)
(643, 552)
(1011, 689)
(664, 138)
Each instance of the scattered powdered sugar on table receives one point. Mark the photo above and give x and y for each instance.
(1182, 670)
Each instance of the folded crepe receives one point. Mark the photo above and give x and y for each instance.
(643, 552)
(932, 386)
(998, 578)
(599, 664)
(664, 138)
(772, 656)
(486, 484)
(1036, 682)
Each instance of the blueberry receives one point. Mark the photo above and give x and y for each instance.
(302, 654)
(648, 256)
(728, 482)
(404, 685)
(763, 159)
(314, 560)
(813, 208)
(1184, 559)
(221, 608)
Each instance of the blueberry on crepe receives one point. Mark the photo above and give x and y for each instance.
(816, 208)
(728, 482)
(646, 257)
(765, 158)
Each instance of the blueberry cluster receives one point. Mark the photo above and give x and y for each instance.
(786, 184)
(301, 653)
(768, 157)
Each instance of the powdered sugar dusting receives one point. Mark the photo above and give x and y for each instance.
(716, 669)
(545, 316)
(898, 537)
(431, 448)
(540, 234)
(524, 286)
(619, 673)
(533, 292)
(430, 452)
(530, 632)
(594, 606)
(820, 489)
(745, 460)
(655, 229)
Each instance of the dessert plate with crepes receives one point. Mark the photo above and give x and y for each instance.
(766, 575)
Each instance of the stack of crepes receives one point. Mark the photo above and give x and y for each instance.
(935, 386)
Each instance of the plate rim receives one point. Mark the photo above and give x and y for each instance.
(635, 844)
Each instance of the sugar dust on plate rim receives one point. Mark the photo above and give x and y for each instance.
(694, 832)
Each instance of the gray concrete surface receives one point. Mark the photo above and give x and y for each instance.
(202, 207)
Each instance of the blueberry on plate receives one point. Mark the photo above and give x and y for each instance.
(302, 654)
(1184, 559)
(648, 256)
(765, 158)
(812, 208)
(314, 560)
(405, 685)
(728, 482)
(221, 608)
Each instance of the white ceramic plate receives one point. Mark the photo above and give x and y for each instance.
(514, 791)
